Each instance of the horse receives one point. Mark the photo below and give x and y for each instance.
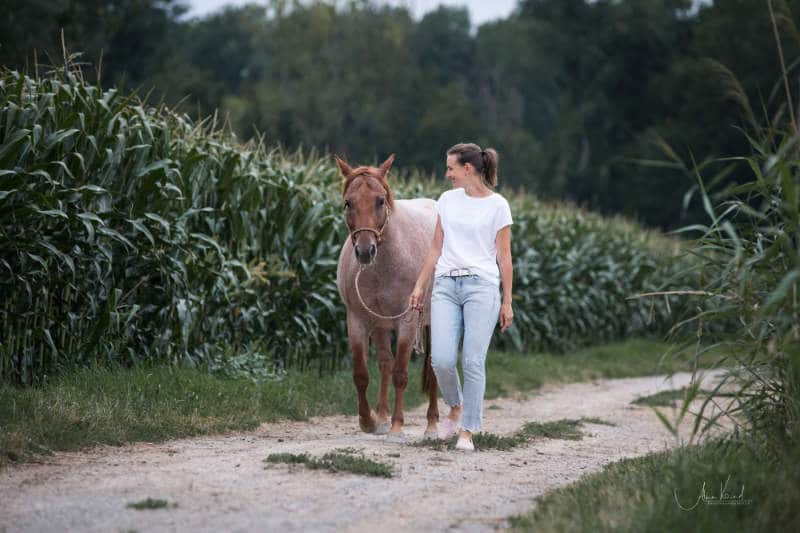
(378, 267)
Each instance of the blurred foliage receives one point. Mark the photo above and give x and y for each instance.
(571, 92)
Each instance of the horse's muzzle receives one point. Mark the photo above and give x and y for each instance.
(365, 254)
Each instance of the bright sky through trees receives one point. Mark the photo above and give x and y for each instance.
(480, 10)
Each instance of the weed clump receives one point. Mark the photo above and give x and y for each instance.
(151, 503)
(340, 460)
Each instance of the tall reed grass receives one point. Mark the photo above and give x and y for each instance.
(748, 254)
(750, 270)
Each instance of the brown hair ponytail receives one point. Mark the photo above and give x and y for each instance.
(484, 161)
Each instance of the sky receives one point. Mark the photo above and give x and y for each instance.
(480, 10)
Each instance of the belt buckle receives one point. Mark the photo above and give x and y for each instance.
(460, 272)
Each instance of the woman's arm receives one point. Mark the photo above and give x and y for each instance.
(503, 241)
(434, 252)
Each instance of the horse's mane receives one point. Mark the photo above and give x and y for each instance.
(369, 172)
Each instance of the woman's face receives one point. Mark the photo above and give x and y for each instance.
(458, 174)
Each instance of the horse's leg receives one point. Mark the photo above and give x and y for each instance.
(430, 386)
(383, 344)
(359, 344)
(405, 338)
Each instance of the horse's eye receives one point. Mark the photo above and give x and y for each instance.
(347, 204)
(381, 201)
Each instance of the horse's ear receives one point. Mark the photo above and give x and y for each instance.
(386, 165)
(344, 168)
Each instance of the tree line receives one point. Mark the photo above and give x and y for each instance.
(583, 100)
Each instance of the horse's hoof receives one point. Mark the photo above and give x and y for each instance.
(431, 434)
(368, 425)
(383, 428)
(397, 437)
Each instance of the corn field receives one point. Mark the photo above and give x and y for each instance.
(131, 235)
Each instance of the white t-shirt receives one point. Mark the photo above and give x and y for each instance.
(470, 227)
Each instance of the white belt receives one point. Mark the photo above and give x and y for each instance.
(459, 272)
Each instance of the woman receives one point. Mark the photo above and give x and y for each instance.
(472, 239)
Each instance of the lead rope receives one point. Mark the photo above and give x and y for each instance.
(417, 347)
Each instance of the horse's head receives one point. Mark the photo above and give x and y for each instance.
(368, 202)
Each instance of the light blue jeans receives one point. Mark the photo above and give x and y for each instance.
(468, 304)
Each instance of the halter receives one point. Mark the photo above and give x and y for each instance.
(378, 232)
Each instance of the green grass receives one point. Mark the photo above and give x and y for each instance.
(99, 406)
(288, 458)
(150, 503)
(666, 398)
(640, 494)
(566, 429)
(482, 441)
(342, 460)
(559, 429)
(508, 373)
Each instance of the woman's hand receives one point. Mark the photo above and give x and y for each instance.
(506, 316)
(415, 300)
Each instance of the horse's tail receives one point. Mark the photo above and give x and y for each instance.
(428, 377)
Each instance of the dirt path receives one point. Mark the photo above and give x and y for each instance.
(220, 483)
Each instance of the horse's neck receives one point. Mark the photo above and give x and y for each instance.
(395, 236)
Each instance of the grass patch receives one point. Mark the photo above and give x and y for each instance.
(490, 441)
(509, 373)
(337, 461)
(150, 503)
(657, 492)
(288, 458)
(667, 398)
(102, 406)
(482, 441)
(117, 406)
(566, 429)
(345, 462)
(560, 429)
